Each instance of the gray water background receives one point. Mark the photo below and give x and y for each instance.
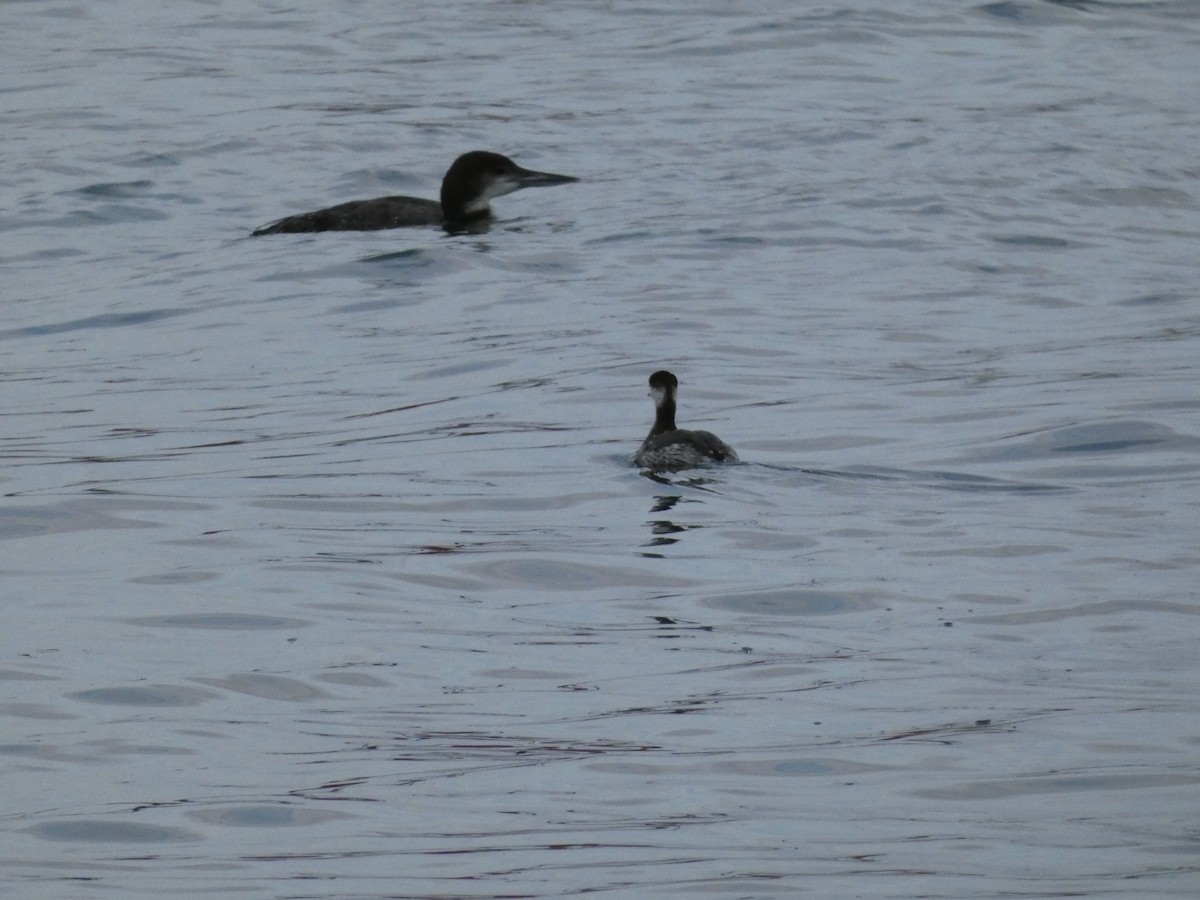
(323, 569)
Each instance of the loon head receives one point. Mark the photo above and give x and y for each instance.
(478, 176)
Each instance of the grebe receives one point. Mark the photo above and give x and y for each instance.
(668, 447)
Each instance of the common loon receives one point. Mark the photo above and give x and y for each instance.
(668, 447)
(472, 180)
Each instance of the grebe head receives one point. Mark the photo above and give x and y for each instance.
(663, 385)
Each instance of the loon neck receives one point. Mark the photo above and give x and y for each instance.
(468, 185)
(460, 207)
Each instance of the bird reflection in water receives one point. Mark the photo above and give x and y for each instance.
(661, 529)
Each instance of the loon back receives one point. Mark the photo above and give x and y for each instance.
(362, 215)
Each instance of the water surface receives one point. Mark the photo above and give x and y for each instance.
(326, 573)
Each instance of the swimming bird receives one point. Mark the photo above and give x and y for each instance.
(668, 447)
(472, 180)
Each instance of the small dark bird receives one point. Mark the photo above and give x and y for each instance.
(473, 180)
(668, 447)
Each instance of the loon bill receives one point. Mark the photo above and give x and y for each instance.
(472, 180)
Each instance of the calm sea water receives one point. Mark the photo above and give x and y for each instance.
(326, 574)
